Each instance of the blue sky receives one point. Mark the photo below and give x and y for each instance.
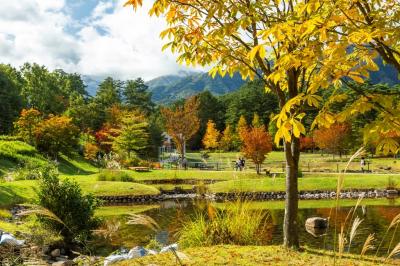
(91, 37)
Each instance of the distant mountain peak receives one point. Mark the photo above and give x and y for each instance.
(169, 88)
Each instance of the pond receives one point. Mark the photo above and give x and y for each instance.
(170, 215)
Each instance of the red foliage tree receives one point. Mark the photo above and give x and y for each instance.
(306, 143)
(257, 143)
(334, 138)
(105, 136)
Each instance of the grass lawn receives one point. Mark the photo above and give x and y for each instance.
(254, 255)
(313, 162)
(166, 174)
(306, 183)
(16, 192)
(316, 204)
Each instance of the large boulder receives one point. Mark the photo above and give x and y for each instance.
(317, 222)
(316, 226)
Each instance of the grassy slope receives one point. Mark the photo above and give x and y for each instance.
(253, 255)
(13, 152)
(12, 193)
(306, 183)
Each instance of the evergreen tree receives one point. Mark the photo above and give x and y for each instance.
(10, 100)
(133, 134)
(136, 96)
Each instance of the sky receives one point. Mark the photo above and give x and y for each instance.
(91, 37)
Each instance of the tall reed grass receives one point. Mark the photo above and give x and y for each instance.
(352, 222)
(237, 223)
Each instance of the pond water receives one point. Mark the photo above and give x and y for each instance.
(170, 215)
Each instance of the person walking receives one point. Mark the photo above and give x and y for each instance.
(362, 164)
(185, 163)
(242, 163)
(238, 165)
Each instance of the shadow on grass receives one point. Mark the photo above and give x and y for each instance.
(344, 256)
(68, 168)
(9, 198)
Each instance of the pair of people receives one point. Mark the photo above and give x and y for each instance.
(240, 163)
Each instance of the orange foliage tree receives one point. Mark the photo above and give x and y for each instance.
(334, 138)
(306, 143)
(182, 123)
(211, 137)
(56, 134)
(27, 123)
(257, 143)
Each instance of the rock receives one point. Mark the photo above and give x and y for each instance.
(55, 253)
(63, 263)
(317, 222)
(315, 231)
(392, 192)
(173, 247)
(9, 240)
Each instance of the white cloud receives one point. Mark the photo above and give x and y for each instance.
(110, 41)
(34, 30)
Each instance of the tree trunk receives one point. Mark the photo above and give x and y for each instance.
(290, 226)
(258, 166)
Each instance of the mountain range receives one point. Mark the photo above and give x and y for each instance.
(169, 88)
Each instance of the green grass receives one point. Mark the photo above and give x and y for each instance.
(314, 162)
(254, 255)
(317, 204)
(16, 192)
(361, 181)
(110, 188)
(190, 174)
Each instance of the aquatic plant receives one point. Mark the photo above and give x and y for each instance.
(237, 224)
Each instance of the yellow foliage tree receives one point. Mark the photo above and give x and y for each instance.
(256, 121)
(241, 126)
(227, 139)
(296, 48)
(211, 137)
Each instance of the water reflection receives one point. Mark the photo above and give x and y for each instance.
(172, 214)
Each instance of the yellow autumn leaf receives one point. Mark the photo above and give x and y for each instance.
(134, 3)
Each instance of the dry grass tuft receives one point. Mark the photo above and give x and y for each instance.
(145, 220)
(395, 251)
(353, 231)
(368, 244)
(40, 211)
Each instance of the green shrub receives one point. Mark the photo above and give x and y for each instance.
(133, 161)
(205, 154)
(64, 198)
(236, 224)
(10, 138)
(30, 170)
(114, 175)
